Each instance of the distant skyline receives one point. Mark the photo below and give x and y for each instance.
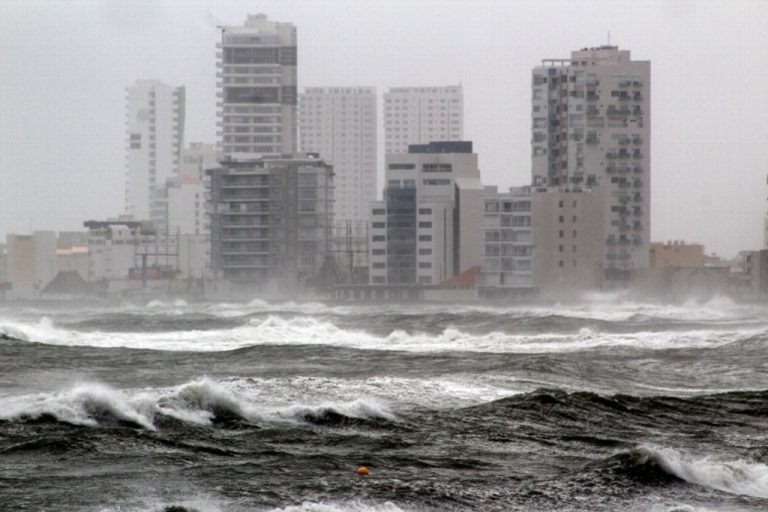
(65, 67)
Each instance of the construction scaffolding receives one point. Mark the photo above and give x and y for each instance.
(349, 250)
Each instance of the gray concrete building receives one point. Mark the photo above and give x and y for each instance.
(426, 229)
(270, 221)
(256, 79)
(590, 168)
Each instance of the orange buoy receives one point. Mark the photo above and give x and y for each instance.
(362, 471)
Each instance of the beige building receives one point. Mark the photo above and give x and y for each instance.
(30, 263)
(339, 123)
(676, 254)
(591, 148)
(256, 79)
(419, 115)
(567, 234)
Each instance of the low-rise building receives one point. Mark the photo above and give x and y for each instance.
(676, 254)
(129, 256)
(30, 263)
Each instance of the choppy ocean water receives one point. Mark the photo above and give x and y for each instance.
(603, 405)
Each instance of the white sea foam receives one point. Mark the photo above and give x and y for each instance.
(79, 405)
(350, 506)
(731, 476)
(280, 400)
(307, 330)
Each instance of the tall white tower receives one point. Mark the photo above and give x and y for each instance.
(591, 131)
(339, 123)
(420, 115)
(155, 137)
(256, 79)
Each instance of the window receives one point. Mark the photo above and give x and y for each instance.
(425, 264)
(425, 211)
(560, 248)
(403, 167)
(379, 265)
(437, 182)
(425, 238)
(561, 219)
(425, 224)
(251, 94)
(562, 233)
(425, 252)
(437, 168)
(379, 224)
(379, 238)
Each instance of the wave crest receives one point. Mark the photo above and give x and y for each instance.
(654, 465)
(202, 402)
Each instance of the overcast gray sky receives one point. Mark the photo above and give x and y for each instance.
(64, 67)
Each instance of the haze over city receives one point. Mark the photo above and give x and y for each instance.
(66, 66)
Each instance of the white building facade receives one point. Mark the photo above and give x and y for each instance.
(256, 79)
(155, 136)
(507, 243)
(185, 195)
(427, 227)
(591, 166)
(339, 123)
(419, 115)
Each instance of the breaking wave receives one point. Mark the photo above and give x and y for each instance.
(201, 402)
(304, 330)
(654, 465)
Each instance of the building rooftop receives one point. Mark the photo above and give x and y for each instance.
(444, 146)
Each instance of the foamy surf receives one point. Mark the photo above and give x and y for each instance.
(201, 401)
(732, 476)
(305, 330)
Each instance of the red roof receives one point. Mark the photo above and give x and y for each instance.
(464, 279)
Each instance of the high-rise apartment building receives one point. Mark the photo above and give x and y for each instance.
(256, 78)
(427, 227)
(419, 115)
(507, 243)
(270, 221)
(339, 123)
(590, 167)
(185, 195)
(155, 136)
